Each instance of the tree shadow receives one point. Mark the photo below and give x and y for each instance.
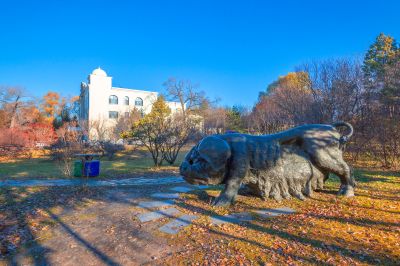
(351, 253)
(203, 211)
(367, 176)
(100, 255)
(38, 253)
(359, 222)
(43, 200)
(358, 206)
(31, 203)
(379, 197)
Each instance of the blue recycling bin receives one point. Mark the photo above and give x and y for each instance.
(92, 168)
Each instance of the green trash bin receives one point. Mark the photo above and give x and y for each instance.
(78, 168)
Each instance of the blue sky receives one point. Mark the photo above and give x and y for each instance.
(232, 49)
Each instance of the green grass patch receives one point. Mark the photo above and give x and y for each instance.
(124, 164)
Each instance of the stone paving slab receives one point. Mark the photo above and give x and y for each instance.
(165, 195)
(268, 213)
(186, 189)
(182, 189)
(232, 218)
(138, 181)
(178, 224)
(134, 181)
(201, 186)
(155, 204)
(151, 216)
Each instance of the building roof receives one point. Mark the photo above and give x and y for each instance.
(99, 72)
(118, 88)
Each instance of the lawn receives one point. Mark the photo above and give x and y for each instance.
(124, 164)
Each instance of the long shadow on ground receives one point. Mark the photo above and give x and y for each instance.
(50, 197)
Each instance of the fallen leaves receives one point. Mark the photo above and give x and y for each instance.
(325, 230)
(24, 213)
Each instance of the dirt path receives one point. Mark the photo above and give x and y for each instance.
(103, 232)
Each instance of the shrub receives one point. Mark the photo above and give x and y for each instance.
(110, 148)
(68, 144)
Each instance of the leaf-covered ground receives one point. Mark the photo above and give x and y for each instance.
(47, 225)
(24, 213)
(325, 230)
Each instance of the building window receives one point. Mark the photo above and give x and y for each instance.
(126, 100)
(113, 99)
(138, 102)
(113, 114)
(126, 114)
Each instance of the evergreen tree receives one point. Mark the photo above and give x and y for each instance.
(234, 119)
(159, 111)
(391, 91)
(378, 55)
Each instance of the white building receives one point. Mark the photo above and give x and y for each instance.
(102, 103)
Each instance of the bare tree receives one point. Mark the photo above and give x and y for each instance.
(100, 129)
(337, 88)
(184, 92)
(69, 142)
(12, 100)
(296, 105)
(266, 117)
(125, 123)
(318, 92)
(214, 120)
(178, 133)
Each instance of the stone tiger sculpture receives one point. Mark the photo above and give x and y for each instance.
(289, 163)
